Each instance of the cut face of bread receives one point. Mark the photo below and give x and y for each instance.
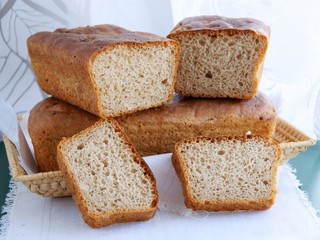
(104, 69)
(108, 180)
(228, 173)
(128, 78)
(220, 57)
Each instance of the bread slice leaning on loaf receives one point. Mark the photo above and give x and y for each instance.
(104, 69)
(228, 173)
(109, 182)
(220, 57)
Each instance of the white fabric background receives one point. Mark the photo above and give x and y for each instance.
(291, 74)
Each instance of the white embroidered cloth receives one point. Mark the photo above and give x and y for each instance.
(292, 217)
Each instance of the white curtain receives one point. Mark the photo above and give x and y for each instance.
(291, 75)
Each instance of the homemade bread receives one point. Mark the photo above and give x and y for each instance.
(228, 173)
(220, 57)
(50, 121)
(155, 131)
(105, 69)
(109, 181)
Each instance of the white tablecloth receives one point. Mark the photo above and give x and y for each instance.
(292, 217)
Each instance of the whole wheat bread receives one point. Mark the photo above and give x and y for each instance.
(220, 57)
(152, 131)
(155, 131)
(228, 173)
(109, 181)
(104, 69)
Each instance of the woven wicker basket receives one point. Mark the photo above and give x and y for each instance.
(52, 184)
(292, 140)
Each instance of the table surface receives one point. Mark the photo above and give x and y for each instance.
(306, 163)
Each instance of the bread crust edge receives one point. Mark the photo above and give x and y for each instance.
(105, 219)
(225, 205)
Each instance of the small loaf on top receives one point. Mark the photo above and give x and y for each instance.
(106, 70)
(220, 57)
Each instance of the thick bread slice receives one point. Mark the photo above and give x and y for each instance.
(50, 121)
(109, 181)
(220, 57)
(106, 70)
(228, 173)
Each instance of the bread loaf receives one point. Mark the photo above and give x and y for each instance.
(110, 183)
(220, 57)
(228, 173)
(104, 69)
(50, 121)
(156, 130)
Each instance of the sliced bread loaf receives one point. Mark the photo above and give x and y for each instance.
(109, 181)
(106, 70)
(228, 173)
(220, 57)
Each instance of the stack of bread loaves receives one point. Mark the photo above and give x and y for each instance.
(222, 57)
(113, 101)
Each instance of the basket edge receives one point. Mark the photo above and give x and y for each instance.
(295, 129)
(11, 158)
(13, 164)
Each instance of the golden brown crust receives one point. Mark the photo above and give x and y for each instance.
(50, 121)
(225, 205)
(108, 218)
(221, 23)
(156, 130)
(62, 60)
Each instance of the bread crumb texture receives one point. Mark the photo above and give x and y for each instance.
(103, 165)
(219, 64)
(224, 169)
(130, 77)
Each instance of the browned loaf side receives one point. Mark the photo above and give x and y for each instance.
(50, 121)
(109, 181)
(228, 173)
(220, 57)
(104, 69)
(155, 131)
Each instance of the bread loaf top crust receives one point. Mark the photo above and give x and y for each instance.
(83, 42)
(220, 23)
(192, 110)
(51, 111)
